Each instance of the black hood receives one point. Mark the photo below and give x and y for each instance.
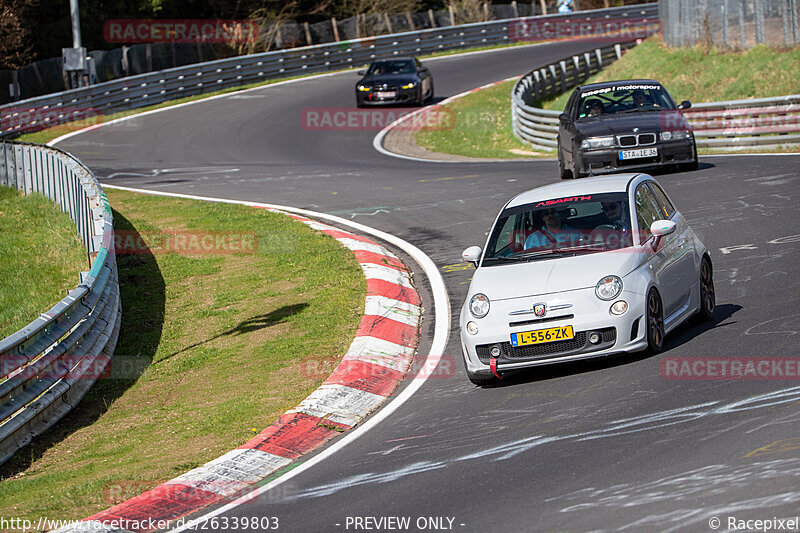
(389, 79)
(622, 123)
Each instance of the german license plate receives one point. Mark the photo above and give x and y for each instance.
(385, 94)
(635, 154)
(541, 336)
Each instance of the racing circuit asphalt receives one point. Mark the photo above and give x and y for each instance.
(605, 445)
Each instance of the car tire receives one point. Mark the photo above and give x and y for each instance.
(576, 168)
(563, 172)
(654, 322)
(692, 165)
(481, 379)
(707, 294)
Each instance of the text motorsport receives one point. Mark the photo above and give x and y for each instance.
(399, 523)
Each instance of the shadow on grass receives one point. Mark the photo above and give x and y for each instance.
(143, 296)
(255, 323)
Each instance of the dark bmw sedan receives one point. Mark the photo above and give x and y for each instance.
(399, 80)
(621, 125)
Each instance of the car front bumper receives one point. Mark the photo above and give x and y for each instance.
(587, 314)
(402, 96)
(669, 153)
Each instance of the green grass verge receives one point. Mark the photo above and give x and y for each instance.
(212, 349)
(41, 257)
(483, 121)
(705, 75)
(481, 127)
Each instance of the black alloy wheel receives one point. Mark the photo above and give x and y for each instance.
(655, 323)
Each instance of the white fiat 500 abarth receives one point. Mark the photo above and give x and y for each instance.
(582, 269)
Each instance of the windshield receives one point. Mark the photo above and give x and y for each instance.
(623, 99)
(560, 227)
(400, 66)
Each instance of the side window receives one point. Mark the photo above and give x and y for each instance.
(664, 205)
(571, 104)
(647, 211)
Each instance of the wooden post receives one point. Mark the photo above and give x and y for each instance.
(515, 9)
(433, 19)
(308, 33)
(358, 26)
(388, 22)
(544, 7)
(335, 29)
(485, 11)
(452, 16)
(410, 20)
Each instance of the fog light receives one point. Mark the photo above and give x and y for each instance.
(495, 351)
(472, 328)
(594, 337)
(619, 308)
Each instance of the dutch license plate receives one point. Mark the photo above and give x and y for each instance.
(635, 154)
(541, 336)
(385, 94)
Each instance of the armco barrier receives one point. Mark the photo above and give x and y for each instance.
(539, 127)
(158, 87)
(47, 366)
(762, 122)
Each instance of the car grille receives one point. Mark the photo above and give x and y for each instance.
(642, 139)
(531, 352)
(382, 87)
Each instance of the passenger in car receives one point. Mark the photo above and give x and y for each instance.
(595, 107)
(554, 232)
(614, 213)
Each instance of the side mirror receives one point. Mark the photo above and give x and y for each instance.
(564, 117)
(661, 228)
(686, 104)
(472, 255)
(361, 72)
(423, 69)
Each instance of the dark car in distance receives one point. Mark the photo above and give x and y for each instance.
(396, 80)
(622, 125)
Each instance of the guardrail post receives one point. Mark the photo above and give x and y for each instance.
(563, 75)
(599, 55)
(554, 78)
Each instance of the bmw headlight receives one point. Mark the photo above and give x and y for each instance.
(608, 288)
(408, 86)
(678, 135)
(597, 142)
(479, 305)
(364, 88)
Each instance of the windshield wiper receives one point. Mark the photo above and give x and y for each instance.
(523, 257)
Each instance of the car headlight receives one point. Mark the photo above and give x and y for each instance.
(364, 88)
(408, 86)
(597, 142)
(676, 135)
(608, 288)
(479, 305)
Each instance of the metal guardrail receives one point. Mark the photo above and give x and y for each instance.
(47, 366)
(537, 126)
(154, 88)
(738, 124)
